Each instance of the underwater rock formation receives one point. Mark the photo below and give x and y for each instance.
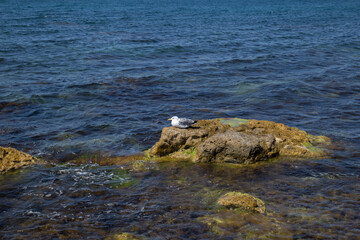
(237, 140)
(11, 106)
(123, 236)
(11, 158)
(242, 200)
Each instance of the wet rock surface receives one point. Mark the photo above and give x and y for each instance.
(242, 200)
(123, 236)
(11, 158)
(237, 140)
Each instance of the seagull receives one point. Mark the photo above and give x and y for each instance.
(181, 122)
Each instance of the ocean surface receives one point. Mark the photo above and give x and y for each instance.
(85, 78)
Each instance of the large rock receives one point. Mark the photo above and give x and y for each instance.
(238, 141)
(236, 147)
(11, 158)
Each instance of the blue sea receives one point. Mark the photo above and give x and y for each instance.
(79, 78)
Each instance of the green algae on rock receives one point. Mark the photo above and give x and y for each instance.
(143, 166)
(11, 159)
(243, 201)
(233, 122)
(246, 225)
(235, 140)
(123, 236)
(121, 179)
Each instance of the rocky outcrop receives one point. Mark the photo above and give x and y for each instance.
(242, 200)
(11, 158)
(238, 141)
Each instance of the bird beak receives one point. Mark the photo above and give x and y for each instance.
(169, 119)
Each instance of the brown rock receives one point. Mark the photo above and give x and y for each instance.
(238, 141)
(11, 158)
(235, 147)
(283, 133)
(174, 139)
(242, 200)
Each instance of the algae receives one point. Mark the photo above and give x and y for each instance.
(247, 225)
(209, 197)
(143, 165)
(121, 179)
(123, 236)
(314, 149)
(242, 200)
(65, 136)
(318, 139)
(233, 122)
(191, 152)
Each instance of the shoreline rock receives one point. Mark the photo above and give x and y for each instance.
(234, 140)
(11, 159)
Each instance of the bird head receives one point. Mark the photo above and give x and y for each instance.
(174, 117)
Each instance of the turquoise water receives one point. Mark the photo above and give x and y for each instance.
(88, 77)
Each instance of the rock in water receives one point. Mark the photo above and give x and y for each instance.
(242, 200)
(11, 158)
(237, 140)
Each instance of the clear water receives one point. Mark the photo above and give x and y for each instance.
(89, 77)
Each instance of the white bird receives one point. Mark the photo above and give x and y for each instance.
(181, 122)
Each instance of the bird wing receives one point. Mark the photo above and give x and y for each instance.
(186, 121)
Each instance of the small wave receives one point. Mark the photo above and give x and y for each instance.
(143, 40)
(237, 61)
(87, 85)
(92, 174)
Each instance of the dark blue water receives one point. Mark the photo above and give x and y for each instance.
(84, 77)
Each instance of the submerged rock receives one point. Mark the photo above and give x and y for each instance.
(123, 236)
(11, 158)
(245, 225)
(237, 140)
(11, 106)
(106, 160)
(242, 200)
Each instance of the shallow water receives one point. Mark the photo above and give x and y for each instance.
(82, 78)
(304, 200)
